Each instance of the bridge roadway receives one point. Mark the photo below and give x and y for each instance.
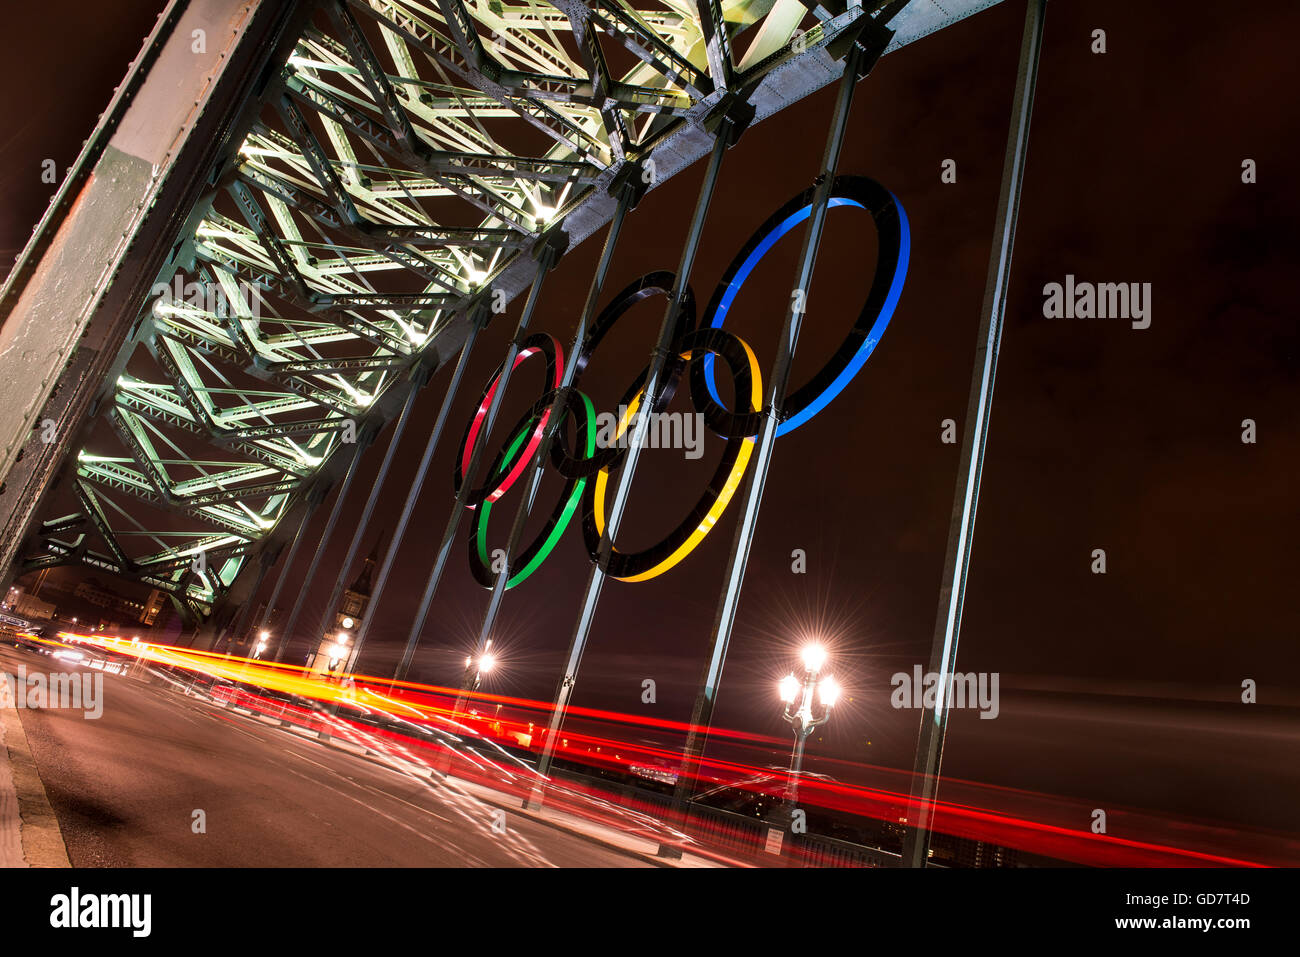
(125, 787)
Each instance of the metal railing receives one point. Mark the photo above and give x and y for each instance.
(738, 833)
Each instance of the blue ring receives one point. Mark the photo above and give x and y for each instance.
(873, 336)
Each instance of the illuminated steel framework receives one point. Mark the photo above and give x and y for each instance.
(407, 162)
(396, 173)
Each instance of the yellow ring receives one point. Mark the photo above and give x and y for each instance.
(724, 497)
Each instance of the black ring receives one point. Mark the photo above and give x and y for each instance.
(893, 237)
(629, 564)
(651, 284)
(482, 573)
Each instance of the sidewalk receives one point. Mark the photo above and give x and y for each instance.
(29, 831)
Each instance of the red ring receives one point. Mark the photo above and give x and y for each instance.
(548, 346)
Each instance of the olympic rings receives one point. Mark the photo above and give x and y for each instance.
(537, 552)
(586, 473)
(539, 343)
(891, 271)
(651, 284)
(654, 561)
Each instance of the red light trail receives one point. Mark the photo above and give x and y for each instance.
(423, 733)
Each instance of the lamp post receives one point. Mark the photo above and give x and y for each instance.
(486, 662)
(257, 652)
(338, 652)
(800, 713)
(475, 669)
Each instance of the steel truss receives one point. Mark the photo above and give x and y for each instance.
(405, 164)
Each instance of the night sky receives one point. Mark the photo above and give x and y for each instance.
(1120, 689)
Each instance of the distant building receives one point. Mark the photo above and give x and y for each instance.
(94, 593)
(335, 648)
(356, 599)
(964, 852)
(153, 607)
(30, 607)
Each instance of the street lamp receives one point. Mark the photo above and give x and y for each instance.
(800, 712)
(262, 639)
(338, 651)
(486, 662)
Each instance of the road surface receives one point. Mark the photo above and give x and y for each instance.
(125, 789)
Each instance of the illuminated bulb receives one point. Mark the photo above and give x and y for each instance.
(486, 663)
(789, 688)
(829, 692)
(814, 656)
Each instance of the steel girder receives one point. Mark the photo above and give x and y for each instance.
(403, 163)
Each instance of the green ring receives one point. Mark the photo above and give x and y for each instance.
(565, 515)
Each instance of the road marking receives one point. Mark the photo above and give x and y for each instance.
(421, 786)
(421, 777)
(376, 790)
(464, 853)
